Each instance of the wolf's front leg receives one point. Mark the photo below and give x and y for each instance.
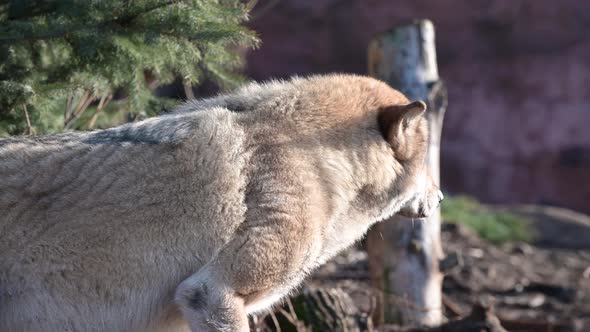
(252, 271)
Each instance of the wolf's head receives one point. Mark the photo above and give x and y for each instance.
(386, 139)
(404, 128)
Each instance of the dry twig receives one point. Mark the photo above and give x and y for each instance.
(104, 101)
(30, 130)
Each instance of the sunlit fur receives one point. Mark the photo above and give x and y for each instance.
(201, 216)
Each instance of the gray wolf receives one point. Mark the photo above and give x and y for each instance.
(197, 218)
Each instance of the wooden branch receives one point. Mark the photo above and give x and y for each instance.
(69, 108)
(104, 101)
(250, 5)
(30, 130)
(482, 319)
(85, 100)
(275, 321)
(451, 306)
(260, 12)
(188, 91)
(538, 325)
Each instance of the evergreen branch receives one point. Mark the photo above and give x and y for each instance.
(218, 33)
(36, 8)
(70, 53)
(62, 31)
(131, 17)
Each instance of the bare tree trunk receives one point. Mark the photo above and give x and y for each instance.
(404, 254)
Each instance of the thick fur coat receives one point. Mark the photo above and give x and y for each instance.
(196, 218)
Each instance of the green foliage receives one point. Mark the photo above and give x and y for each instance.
(495, 225)
(59, 58)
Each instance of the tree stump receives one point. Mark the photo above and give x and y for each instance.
(404, 254)
(315, 309)
(332, 309)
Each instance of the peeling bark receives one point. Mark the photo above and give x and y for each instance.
(404, 254)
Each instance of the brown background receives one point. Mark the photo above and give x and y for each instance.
(518, 75)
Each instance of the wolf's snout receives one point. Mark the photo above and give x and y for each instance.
(422, 206)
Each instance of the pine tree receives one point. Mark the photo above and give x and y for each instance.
(79, 64)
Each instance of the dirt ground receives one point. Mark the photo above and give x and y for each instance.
(534, 287)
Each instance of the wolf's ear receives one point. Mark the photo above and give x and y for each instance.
(394, 120)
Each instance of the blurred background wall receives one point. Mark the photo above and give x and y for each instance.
(518, 74)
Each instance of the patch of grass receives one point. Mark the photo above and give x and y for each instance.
(493, 224)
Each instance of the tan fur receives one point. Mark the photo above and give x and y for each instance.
(204, 215)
